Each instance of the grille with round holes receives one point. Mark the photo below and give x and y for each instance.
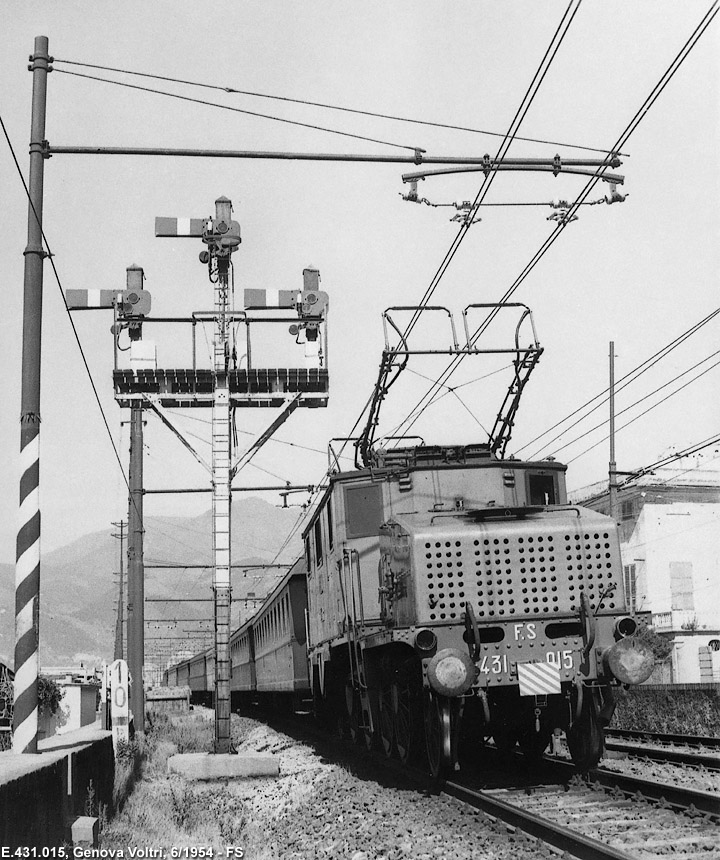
(507, 572)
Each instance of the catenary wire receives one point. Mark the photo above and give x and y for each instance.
(635, 373)
(238, 110)
(308, 103)
(50, 257)
(649, 409)
(384, 381)
(637, 402)
(629, 129)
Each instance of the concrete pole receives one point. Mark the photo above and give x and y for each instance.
(612, 466)
(136, 571)
(27, 570)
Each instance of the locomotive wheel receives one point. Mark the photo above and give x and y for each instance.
(352, 711)
(586, 738)
(438, 734)
(404, 721)
(387, 711)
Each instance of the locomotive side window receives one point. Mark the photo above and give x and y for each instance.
(330, 523)
(318, 543)
(363, 510)
(307, 555)
(541, 489)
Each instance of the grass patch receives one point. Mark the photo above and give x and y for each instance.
(688, 712)
(164, 811)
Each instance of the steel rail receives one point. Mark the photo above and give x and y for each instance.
(678, 798)
(548, 831)
(673, 756)
(660, 737)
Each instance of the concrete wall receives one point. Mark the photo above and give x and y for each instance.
(77, 709)
(41, 794)
(668, 534)
(693, 661)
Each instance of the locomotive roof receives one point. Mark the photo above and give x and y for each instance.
(426, 457)
(427, 522)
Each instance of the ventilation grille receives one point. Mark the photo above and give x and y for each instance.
(518, 575)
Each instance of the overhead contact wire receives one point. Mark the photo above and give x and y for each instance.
(629, 129)
(236, 109)
(50, 257)
(308, 103)
(635, 373)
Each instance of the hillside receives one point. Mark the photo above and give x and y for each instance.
(79, 588)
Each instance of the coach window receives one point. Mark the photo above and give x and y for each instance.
(330, 524)
(363, 510)
(307, 554)
(318, 542)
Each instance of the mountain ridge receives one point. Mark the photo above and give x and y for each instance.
(79, 585)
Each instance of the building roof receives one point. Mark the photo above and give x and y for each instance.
(694, 471)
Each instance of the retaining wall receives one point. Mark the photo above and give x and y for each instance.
(40, 795)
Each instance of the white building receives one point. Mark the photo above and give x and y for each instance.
(670, 542)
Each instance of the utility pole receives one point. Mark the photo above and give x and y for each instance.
(612, 465)
(27, 570)
(120, 618)
(136, 570)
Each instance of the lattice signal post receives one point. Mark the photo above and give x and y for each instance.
(224, 387)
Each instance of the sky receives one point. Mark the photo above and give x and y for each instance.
(639, 273)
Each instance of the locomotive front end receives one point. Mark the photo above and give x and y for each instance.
(521, 613)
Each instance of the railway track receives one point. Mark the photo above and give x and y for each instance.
(586, 821)
(689, 750)
(605, 815)
(663, 738)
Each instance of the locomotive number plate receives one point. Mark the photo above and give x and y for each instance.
(494, 664)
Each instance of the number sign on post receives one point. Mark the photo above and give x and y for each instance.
(119, 703)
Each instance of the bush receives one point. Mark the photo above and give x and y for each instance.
(49, 696)
(675, 711)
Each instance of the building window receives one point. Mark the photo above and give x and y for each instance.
(630, 581)
(628, 509)
(318, 543)
(681, 585)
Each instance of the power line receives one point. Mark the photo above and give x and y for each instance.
(344, 109)
(649, 409)
(665, 461)
(384, 381)
(50, 257)
(238, 110)
(620, 143)
(629, 377)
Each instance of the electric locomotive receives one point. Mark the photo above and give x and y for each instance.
(454, 595)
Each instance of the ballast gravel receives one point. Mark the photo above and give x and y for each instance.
(317, 809)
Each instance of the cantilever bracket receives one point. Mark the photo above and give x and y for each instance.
(163, 416)
(290, 406)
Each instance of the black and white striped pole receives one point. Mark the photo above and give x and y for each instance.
(27, 571)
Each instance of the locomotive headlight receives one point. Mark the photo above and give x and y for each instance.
(629, 660)
(625, 626)
(451, 672)
(426, 642)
